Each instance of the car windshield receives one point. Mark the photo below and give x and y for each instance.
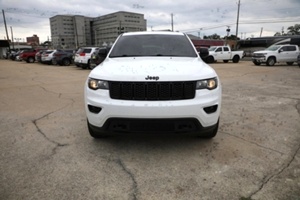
(84, 50)
(153, 45)
(212, 48)
(273, 48)
(48, 52)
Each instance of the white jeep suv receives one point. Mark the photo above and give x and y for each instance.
(153, 82)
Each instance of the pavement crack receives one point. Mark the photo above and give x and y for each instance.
(132, 177)
(298, 107)
(274, 150)
(57, 144)
(266, 179)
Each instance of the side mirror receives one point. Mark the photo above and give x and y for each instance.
(103, 52)
(203, 52)
(280, 50)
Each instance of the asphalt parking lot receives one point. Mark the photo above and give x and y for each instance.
(47, 153)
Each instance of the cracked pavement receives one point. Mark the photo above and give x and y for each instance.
(47, 153)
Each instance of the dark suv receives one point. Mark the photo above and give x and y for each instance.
(98, 56)
(63, 57)
(204, 53)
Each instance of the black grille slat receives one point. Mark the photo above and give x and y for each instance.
(189, 90)
(152, 91)
(177, 90)
(126, 91)
(165, 91)
(139, 91)
(114, 90)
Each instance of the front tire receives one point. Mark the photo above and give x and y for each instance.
(271, 61)
(30, 60)
(66, 62)
(210, 59)
(54, 62)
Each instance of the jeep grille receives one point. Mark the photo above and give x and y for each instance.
(152, 91)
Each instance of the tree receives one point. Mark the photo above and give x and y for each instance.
(231, 37)
(294, 30)
(277, 34)
(213, 36)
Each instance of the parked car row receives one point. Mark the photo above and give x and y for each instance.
(45, 56)
(90, 57)
(84, 57)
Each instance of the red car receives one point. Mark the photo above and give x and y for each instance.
(29, 55)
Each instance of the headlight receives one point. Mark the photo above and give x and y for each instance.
(209, 84)
(95, 84)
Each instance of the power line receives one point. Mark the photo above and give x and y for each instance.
(273, 21)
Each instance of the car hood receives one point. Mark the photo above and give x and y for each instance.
(159, 68)
(263, 51)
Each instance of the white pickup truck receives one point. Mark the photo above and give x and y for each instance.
(224, 53)
(276, 53)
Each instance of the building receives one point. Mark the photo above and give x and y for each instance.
(69, 31)
(107, 28)
(4, 45)
(73, 31)
(33, 41)
(205, 42)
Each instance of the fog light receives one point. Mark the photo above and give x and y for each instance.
(210, 109)
(94, 109)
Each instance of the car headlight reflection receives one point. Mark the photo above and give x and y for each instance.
(209, 84)
(95, 84)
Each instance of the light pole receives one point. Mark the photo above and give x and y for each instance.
(227, 30)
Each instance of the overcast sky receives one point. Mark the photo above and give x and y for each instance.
(202, 17)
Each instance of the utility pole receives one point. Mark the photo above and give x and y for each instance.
(200, 33)
(6, 28)
(237, 20)
(261, 30)
(172, 22)
(12, 37)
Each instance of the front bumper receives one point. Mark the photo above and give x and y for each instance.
(104, 113)
(160, 126)
(80, 64)
(259, 59)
